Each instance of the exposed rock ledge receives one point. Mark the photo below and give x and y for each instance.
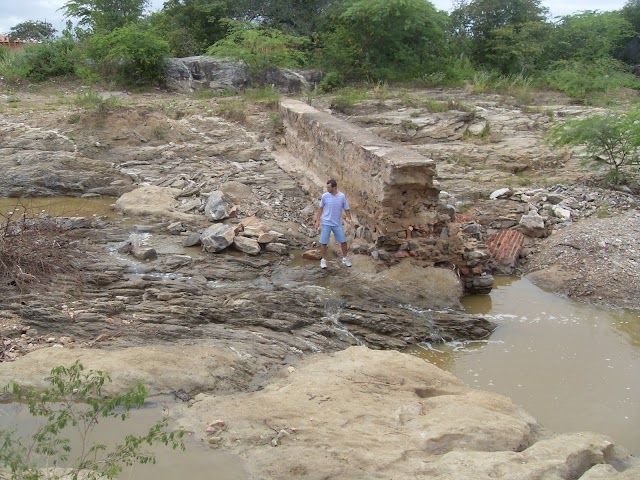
(353, 414)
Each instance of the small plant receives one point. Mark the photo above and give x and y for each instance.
(347, 99)
(330, 82)
(234, 110)
(99, 106)
(603, 211)
(611, 140)
(275, 118)
(266, 96)
(409, 125)
(74, 400)
(160, 132)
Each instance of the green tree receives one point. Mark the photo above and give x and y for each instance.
(383, 39)
(104, 15)
(32, 30)
(129, 55)
(300, 17)
(261, 49)
(631, 12)
(75, 400)
(519, 49)
(474, 24)
(589, 35)
(611, 140)
(191, 26)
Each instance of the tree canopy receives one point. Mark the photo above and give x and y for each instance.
(32, 30)
(104, 15)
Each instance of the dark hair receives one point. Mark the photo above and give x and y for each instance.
(332, 182)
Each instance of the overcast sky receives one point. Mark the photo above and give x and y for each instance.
(13, 12)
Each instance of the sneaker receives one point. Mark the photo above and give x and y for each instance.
(323, 263)
(346, 261)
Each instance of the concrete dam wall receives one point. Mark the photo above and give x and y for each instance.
(390, 189)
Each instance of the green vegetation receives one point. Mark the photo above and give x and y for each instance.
(611, 140)
(261, 49)
(504, 46)
(75, 401)
(490, 45)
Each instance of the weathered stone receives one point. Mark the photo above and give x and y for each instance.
(144, 253)
(561, 213)
(267, 238)
(217, 237)
(192, 240)
(214, 208)
(176, 228)
(246, 245)
(533, 225)
(279, 248)
(502, 192)
(312, 255)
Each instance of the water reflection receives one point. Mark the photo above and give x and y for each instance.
(197, 462)
(573, 366)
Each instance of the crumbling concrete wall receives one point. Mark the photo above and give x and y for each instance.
(390, 189)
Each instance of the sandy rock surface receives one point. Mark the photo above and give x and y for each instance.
(353, 414)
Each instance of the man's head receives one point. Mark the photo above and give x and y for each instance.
(332, 185)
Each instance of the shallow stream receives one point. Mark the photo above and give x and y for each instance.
(574, 367)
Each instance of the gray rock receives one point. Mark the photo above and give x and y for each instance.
(217, 237)
(533, 225)
(279, 248)
(214, 208)
(246, 245)
(192, 240)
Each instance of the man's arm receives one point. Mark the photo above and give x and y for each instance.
(318, 217)
(348, 215)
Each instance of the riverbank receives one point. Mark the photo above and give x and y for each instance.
(258, 320)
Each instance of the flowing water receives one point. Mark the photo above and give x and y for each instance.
(574, 367)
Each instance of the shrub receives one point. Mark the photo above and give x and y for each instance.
(129, 55)
(582, 79)
(37, 62)
(75, 400)
(611, 140)
(346, 99)
(260, 49)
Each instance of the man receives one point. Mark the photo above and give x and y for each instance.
(329, 219)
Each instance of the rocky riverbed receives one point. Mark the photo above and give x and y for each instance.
(258, 339)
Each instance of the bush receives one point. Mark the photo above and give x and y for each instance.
(38, 62)
(75, 400)
(129, 55)
(260, 49)
(611, 140)
(582, 80)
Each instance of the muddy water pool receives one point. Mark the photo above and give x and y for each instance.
(574, 367)
(58, 206)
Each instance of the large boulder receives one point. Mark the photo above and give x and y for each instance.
(193, 73)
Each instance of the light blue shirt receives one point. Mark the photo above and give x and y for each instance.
(332, 206)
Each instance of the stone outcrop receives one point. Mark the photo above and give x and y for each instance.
(202, 72)
(353, 414)
(390, 188)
